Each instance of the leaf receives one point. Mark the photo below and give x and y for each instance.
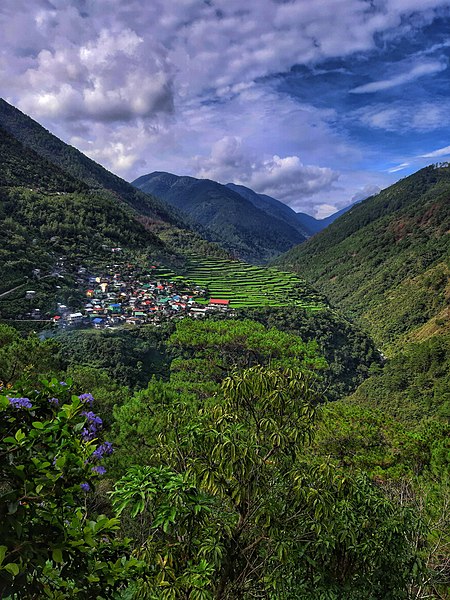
(12, 568)
(38, 425)
(57, 555)
(10, 440)
(20, 435)
(3, 550)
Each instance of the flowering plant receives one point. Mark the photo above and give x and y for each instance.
(49, 455)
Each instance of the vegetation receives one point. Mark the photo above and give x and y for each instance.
(247, 285)
(386, 260)
(216, 479)
(203, 459)
(51, 546)
(245, 230)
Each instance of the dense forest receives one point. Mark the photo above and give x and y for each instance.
(225, 476)
(386, 261)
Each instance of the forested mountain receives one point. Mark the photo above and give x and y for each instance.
(250, 232)
(272, 207)
(73, 162)
(386, 261)
(47, 215)
(304, 223)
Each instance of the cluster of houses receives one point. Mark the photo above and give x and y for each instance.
(128, 297)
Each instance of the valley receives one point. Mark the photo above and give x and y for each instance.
(215, 412)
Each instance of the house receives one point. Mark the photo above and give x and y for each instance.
(217, 303)
(30, 294)
(97, 322)
(75, 317)
(198, 311)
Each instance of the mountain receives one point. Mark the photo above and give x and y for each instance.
(177, 232)
(47, 218)
(75, 163)
(272, 207)
(305, 224)
(249, 231)
(386, 260)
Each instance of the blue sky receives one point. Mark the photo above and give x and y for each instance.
(316, 103)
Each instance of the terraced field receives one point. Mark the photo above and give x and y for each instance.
(246, 285)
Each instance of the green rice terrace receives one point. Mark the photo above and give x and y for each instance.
(246, 285)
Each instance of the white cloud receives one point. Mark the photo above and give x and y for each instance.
(285, 178)
(438, 153)
(181, 86)
(406, 115)
(400, 167)
(114, 77)
(325, 210)
(366, 192)
(425, 68)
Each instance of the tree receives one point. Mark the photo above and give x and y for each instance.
(233, 507)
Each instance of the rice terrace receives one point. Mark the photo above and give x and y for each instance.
(246, 285)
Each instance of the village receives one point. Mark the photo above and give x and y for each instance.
(126, 295)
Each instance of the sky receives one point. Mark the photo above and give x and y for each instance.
(318, 103)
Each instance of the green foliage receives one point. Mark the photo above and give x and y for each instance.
(51, 545)
(24, 358)
(377, 261)
(414, 384)
(349, 352)
(239, 510)
(130, 357)
(238, 344)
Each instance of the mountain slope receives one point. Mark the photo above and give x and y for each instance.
(47, 217)
(272, 207)
(386, 260)
(232, 220)
(73, 162)
(177, 233)
(303, 223)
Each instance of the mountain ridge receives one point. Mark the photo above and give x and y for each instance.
(378, 261)
(232, 220)
(34, 136)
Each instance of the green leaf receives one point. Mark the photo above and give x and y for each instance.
(20, 435)
(3, 550)
(38, 425)
(57, 555)
(12, 568)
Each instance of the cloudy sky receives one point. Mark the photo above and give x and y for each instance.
(315, 102)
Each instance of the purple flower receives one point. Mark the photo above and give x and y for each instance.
(87, 435)
(62, 383)
(105, 449)
(87, 398)
(54, 401)
(20, 402)
(99, 470)
(85, 487)
(92, 418)
(94, 423)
